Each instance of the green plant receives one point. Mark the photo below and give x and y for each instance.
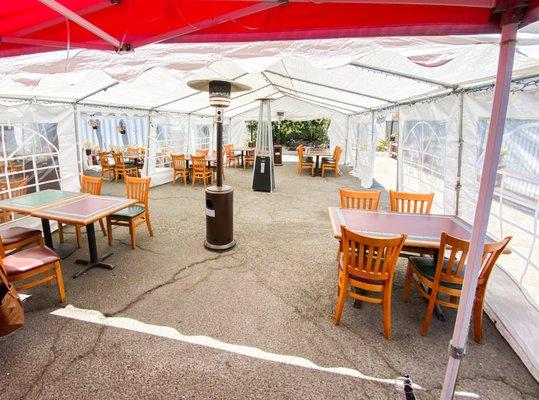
(382, 145)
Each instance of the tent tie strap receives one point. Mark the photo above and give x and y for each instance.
(458, 353)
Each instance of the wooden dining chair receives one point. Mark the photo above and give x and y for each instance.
(202, 152)
(135, 215)
(249, 158)
(360, 200)
(38, 261)
(231, 157)
(106, 166)
(333, 163)
(412, 203)
(123, 169)
(200, 171)
(15, 238)
(90, 185)
(366, 272)
(304, 162)
(179, 168)
(18, 188)
(440, 280)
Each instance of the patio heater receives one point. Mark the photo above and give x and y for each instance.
(263, 178)
(219, 198)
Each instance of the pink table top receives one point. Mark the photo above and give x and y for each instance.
(84, 210)
(423, 230)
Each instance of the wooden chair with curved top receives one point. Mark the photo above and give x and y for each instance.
(179, 168)
(304, 162)
(333, 163)
(123, 169)
(18, 188)
(202, 152)
(90, 185)
(414, 203)
(133, 216)
(440, 280)
(106, 166)
(367, 267)
(200, 171)
(249, 158)
(361, 200)
(231, 157)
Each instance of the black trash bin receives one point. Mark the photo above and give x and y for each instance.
(278, 155)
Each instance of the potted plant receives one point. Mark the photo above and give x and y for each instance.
(88, 148)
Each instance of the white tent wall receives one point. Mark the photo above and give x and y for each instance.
(428, 148)
(42, 140)
(361, 148)
(513, 292)
(429, 161)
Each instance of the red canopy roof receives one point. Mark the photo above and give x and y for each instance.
(28, 26)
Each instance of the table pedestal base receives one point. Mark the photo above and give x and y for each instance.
(91, 265)
(64, 250)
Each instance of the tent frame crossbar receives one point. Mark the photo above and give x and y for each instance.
(298, 93)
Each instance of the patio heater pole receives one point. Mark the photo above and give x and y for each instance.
(219, 198)
(482, 212)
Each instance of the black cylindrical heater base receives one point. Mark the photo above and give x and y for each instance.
(219, 218)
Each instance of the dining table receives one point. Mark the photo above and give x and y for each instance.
(70, 208)
(423, 230)
(316, 152)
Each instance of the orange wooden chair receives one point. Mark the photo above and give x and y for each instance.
(133, 216)
(16, 237)
(179, 167)
(202, 152)
(368, 264)
(304, 162)
(415, 203)
(231, 157)
(90, 185)
(440, 280)
(360, 200)
(333, 163)
(37, 261)
(18, 188)
(249, 158)
(200, 171)
(123, 169)
(106, 166)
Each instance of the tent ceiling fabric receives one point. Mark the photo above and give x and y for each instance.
(29, 26)
(347, 89)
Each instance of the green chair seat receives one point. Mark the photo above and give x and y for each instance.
(129, 212)
(426, 266)
(307, 160)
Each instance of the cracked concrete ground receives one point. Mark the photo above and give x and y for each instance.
(275, 291)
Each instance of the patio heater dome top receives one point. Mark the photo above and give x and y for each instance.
(219, 89)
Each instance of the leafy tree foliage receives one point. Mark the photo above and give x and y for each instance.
(291, 133)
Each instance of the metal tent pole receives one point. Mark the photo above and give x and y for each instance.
(482, 212)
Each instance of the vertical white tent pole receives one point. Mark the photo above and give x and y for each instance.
(482, 212)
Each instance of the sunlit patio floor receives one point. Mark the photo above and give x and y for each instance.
(173, 320)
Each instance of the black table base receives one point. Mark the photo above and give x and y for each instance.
(63, 250)
(95, 261)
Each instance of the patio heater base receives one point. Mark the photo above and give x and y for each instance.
(219, 218)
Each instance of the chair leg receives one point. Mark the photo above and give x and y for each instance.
(149, 224)
(133, 233)
(407, 284)
(47, 274)
(323, 171)
(60, 232)
(428, 314)
(60, 281)
(109, 231)
(478, 321)
(386, 306)
(340, 303)
(102, 226)
(78, 236)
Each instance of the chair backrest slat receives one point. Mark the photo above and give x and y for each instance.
(417, 203)
(199, 164)
(178, 162)
(118, 160)
(104, 159)
(359, 199)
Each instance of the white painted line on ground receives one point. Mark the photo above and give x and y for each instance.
(96, 317)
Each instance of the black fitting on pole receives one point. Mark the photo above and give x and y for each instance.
(219, 123)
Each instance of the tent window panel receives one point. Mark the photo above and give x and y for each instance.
(515, 207)
(28, 161)
(202, 136)
(423, 158)
(110, 132)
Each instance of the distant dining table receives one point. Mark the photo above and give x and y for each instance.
(69, 208)
(243, 150)
(317, 153)
(209, 159)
